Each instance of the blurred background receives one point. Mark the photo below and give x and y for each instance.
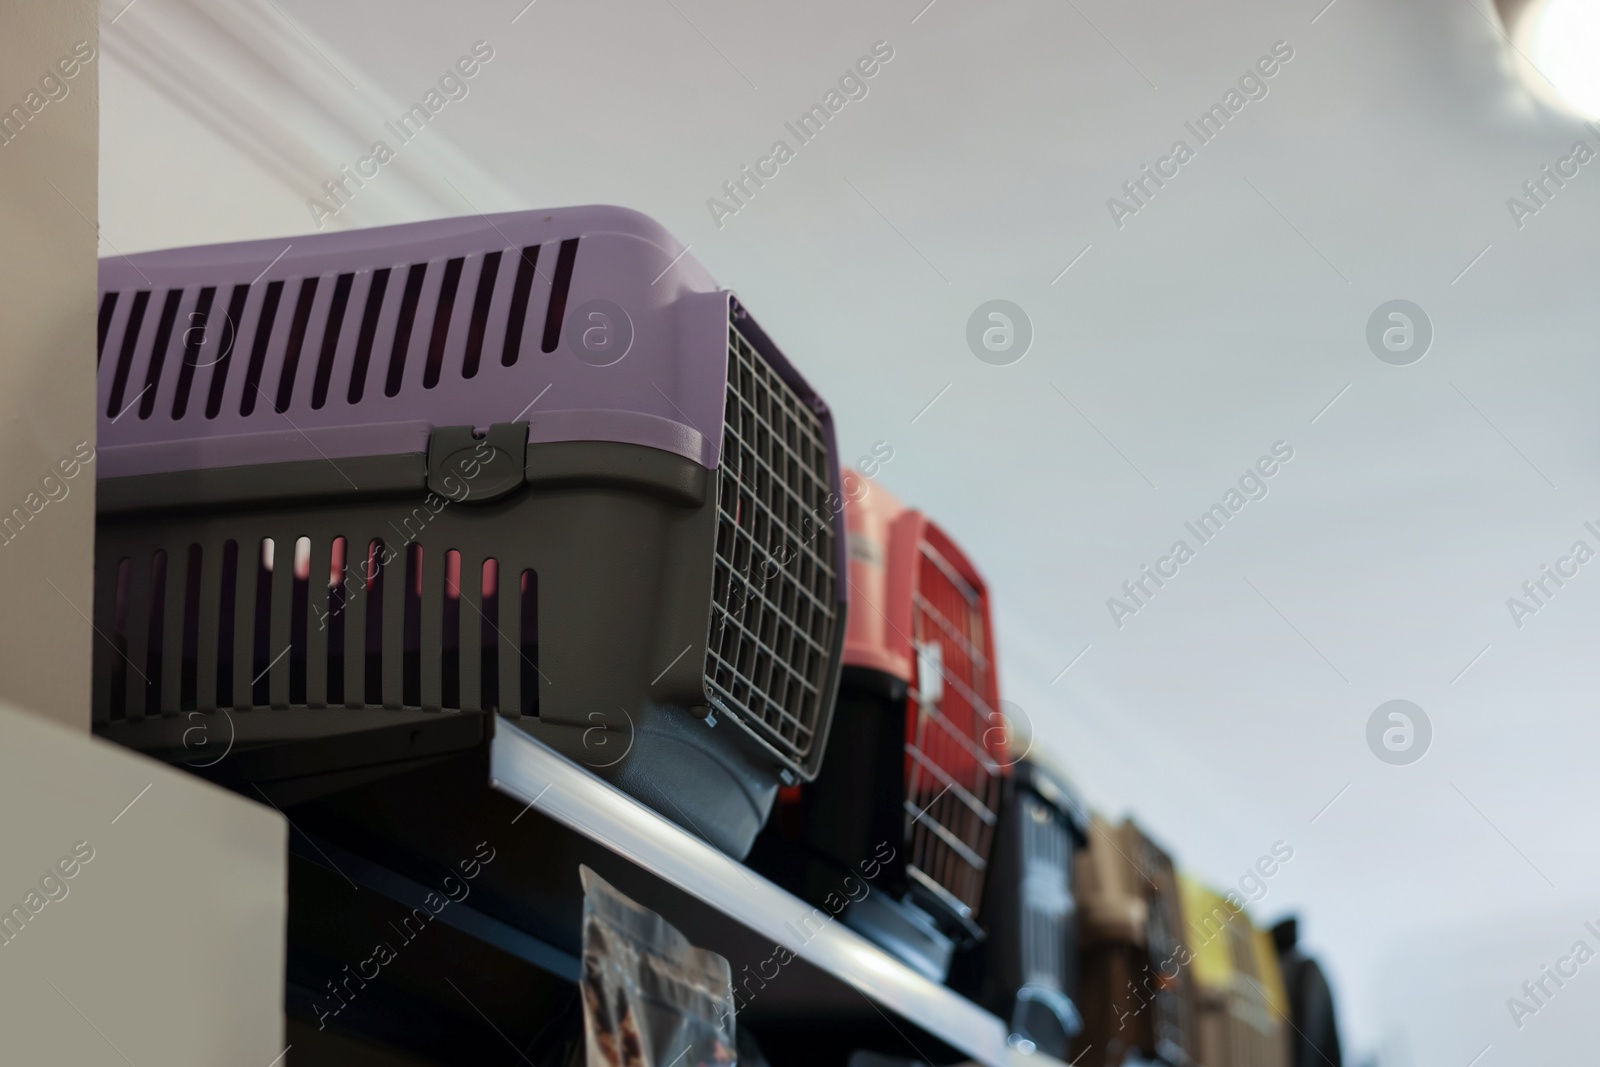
(1176, 339)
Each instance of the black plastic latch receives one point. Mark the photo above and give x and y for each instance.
(468, 469)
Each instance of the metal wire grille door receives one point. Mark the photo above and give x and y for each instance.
(1173, 1025)
(951, 718)
(1046, 899)
(773, 617)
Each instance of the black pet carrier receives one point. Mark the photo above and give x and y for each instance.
(1315, 1040)
(1026, 969)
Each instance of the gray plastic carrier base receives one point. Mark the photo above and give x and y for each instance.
(565, 585)
(901, 928)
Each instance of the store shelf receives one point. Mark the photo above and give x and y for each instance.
(537, 776)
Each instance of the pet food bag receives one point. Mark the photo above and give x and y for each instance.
(650, 999)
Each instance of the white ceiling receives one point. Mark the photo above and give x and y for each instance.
(1221, 319)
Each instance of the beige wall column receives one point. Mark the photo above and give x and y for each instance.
(49, 131)
(142, 910)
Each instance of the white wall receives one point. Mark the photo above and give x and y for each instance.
(1448, 995)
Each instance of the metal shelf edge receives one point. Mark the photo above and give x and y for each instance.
(530, 771)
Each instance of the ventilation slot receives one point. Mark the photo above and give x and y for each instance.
(189, 680)
(369, 328)
(193, 339)
(116, 675)
(519, 305)
(330, 339)
(258, 350)
(108, 307)
(219, 373)
(227, 622)
(334, 620)
(299, 598)
(155, 629)
(441, 322)
(262, 657)
(411, 683)
(489, 658)
(529, 646)
(158, 353)
(130, 341)
(565, 258)
(450, 632)
(297, 337)
(376, 573)
(402, 331)
(480, 314)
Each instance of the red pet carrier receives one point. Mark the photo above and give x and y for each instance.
(914, 763)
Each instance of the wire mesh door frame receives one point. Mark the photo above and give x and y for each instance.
(952, 776)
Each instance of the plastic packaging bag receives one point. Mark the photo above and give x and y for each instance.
(650, 999)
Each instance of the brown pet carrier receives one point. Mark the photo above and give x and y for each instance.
(1135, 995)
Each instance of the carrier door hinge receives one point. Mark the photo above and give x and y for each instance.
(468, 469)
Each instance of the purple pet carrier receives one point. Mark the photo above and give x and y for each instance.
(534, 463)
